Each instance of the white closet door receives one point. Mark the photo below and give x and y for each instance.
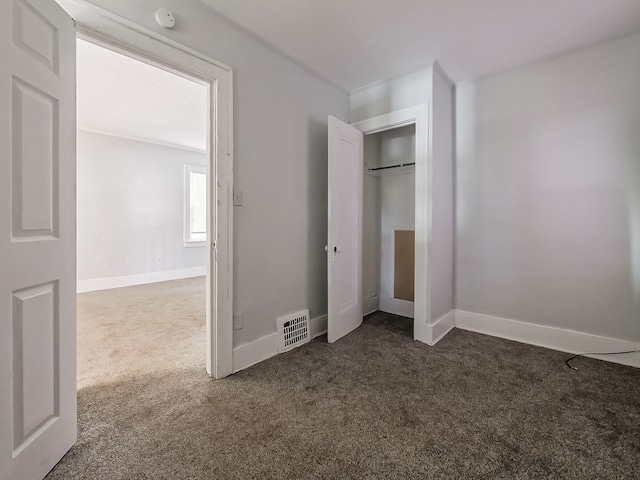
(344, 247)
(37, 238)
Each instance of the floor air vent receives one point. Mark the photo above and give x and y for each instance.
(293, 330)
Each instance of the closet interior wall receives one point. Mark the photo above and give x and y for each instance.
(389, 205)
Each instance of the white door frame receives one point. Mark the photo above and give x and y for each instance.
(418, 116)
(100, 26)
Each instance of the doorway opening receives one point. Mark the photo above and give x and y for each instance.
(141, 215)
(388, 240)
(99, 27)
(407, 141)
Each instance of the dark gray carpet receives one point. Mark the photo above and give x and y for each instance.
(376, 404)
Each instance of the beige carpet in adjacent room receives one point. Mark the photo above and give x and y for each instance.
(374, 405)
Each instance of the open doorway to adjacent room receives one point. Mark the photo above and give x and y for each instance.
(141, 215)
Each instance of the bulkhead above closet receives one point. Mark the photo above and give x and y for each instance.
(390, 152)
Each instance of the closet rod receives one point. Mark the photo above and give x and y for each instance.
(392, 166)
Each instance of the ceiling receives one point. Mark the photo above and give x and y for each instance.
(120, 96)
(353, 43)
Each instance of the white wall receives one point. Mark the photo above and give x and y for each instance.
(131, 207)
(548, 192)
(442, 220)
(280, 146)
(390, 95)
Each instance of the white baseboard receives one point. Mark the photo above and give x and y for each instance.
(438, 329)
(397, 307)
(254, 352)
(318, 326)
(369, 305)
(569, 341)
(249, 354)
(140, 279)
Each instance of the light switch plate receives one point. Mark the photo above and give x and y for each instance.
(237, 321)
(237, 198)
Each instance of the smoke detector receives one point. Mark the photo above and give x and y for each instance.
(165, 18)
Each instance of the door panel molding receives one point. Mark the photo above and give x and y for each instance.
(38, 406)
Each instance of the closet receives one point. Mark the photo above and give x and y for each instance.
(388, 237)
(372, 218)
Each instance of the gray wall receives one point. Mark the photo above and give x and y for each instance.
(548, 192)
(442, 219)
(131, 207)
(280, 143)
(391, 95)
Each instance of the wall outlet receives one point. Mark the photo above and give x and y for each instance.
(160, 260)
(237, 321)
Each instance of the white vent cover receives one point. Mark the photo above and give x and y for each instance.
(293, 330)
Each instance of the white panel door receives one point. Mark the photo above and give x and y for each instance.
(344, 246)
(37, 238)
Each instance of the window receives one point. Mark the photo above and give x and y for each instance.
(195, 211)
